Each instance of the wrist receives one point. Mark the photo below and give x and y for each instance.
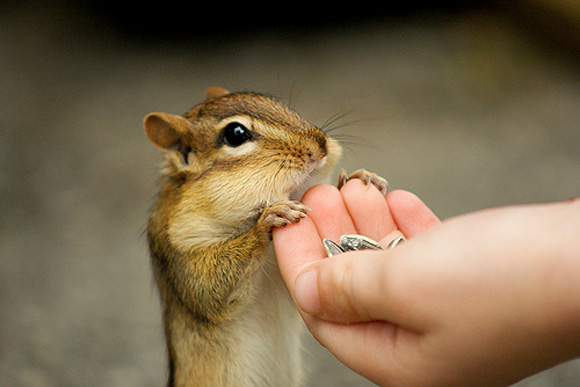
(559, 270)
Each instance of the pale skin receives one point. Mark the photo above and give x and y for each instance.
(487, 298)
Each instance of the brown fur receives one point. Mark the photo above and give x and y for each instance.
(225, 305)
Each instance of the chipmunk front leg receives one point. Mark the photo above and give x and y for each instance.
(218, 274)
(366, 177)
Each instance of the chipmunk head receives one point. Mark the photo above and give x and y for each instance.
(242, 143)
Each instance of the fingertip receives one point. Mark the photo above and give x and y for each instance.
(329, 213)
(317, 193)
(410, 213)
(297, 245)
(403, 196)
(368, 209)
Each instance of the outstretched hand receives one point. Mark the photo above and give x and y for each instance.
(459, 302)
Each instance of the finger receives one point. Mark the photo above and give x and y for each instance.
(368, 209)
(351, 287)
(409, 213)
(329, 212)
(297, 246)
(392, 239)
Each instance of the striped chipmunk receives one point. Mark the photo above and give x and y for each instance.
(235, 166)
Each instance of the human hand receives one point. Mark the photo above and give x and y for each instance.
(466, 301)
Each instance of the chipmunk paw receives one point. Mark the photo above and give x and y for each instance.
(282, 213)
(366, 177)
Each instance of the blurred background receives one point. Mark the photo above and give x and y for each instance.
(469, 105)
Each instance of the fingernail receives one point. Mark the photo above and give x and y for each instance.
(307, 292)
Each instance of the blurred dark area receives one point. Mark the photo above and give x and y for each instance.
(554, 24)
(468, 104)
(178, 20)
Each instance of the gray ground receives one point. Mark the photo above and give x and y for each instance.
(468, 110)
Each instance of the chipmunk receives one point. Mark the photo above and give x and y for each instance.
(235, 166)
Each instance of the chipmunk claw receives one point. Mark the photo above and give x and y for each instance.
(282, 213)
(366, 177)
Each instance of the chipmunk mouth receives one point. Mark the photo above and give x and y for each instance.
(308, 179)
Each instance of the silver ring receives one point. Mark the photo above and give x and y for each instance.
(348, 243)
(395, 242)
(356, 242)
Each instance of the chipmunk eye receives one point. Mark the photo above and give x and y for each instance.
(235, 134)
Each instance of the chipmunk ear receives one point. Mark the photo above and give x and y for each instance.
(166, 130)
(215, 92)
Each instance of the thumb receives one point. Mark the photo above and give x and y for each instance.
(352, 287)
